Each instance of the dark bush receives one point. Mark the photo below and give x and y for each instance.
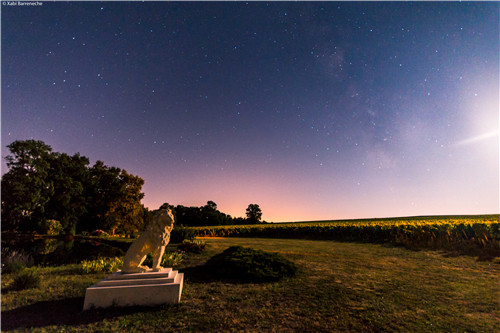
(238, 263)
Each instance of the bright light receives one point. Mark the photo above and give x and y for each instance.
(478, 138)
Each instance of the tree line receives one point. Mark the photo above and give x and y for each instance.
(209, 215)
(43, 186)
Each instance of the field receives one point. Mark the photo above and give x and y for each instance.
(342, 286)
(475, 234)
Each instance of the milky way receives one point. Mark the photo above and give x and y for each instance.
(313, 110)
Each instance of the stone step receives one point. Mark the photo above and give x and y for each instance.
(119, 275)
(160, 280)
(153, 288)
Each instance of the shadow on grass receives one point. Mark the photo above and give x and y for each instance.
(201, 274)
(62, 312)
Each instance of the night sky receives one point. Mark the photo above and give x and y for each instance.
(313, 110)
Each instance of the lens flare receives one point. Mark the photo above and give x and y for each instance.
(478, 138)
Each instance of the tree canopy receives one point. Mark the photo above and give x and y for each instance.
(44, 185)
(254, 213)
(26, 190)
(206, 215)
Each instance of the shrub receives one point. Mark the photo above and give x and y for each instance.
(169, 259)
(179, 234)
(195, 246)
(51, 227)
(106, 265)
(16, 261)
(249, 265)
(25, 279)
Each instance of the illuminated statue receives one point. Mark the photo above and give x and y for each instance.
(153, 240)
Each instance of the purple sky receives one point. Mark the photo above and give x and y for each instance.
(313, 110)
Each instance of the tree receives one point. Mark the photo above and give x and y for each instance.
(188, 216)
(254, 213)
(43, 185)
(198, 216)
(114, 201)
(210, 214)
(126, 213)
(26, 188)
(68, 176)
(102, 188)
(212, 205)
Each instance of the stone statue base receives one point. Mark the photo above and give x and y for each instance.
(146, 289)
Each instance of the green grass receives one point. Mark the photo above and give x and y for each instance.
(341, 286)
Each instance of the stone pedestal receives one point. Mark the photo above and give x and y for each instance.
(148, 288)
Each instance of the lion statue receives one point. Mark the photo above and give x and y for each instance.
(153, 239)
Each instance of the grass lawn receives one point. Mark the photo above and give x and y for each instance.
(341, 287)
